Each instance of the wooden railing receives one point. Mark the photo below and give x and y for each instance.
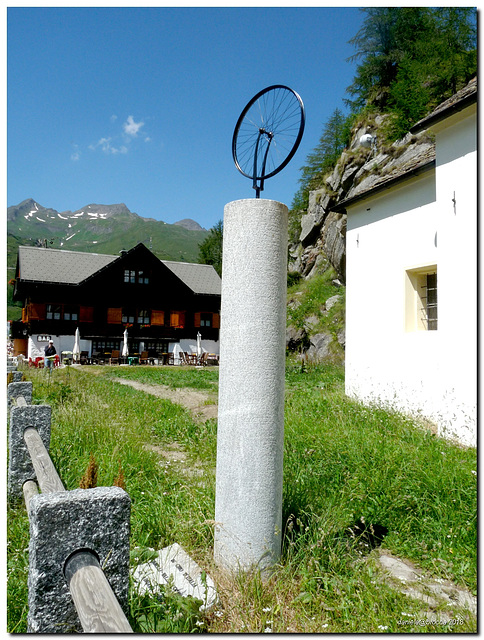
(96, 605)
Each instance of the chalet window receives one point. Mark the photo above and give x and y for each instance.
(71, 313)
(105, 346)
(157, 346)
(143, 277)
(128, 316)
(177, 319)
(64, 312)
(206, 319)
(140, 276)
(143, 316)
(421, 310)
(53, 311)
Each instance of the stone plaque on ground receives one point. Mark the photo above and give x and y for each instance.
(173, 565)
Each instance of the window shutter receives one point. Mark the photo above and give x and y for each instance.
(173, 319)
(158, 317)
(86, 314)
(115, 315)
(36, 311)
(177, 319)
(216, 321)
(197, 320)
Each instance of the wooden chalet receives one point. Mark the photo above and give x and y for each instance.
(161, 303)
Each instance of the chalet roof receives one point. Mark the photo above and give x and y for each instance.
(201, 278)
(73, 267)
(59, 265)
(459, 101)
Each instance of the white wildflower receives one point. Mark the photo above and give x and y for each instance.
(266, 609)
(383, 628)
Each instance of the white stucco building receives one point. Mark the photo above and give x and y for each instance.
(411, 296)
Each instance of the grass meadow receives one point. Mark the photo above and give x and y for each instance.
(345, 463)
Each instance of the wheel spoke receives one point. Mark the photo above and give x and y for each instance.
(275, 117)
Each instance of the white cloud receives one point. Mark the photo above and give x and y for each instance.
(131, 127)
(114, 145)
(107, 147)
(76, 154)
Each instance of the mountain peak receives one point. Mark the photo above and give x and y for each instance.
(188, 223)
(104, 210)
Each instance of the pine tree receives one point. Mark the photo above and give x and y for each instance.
(210, 250)
(323, 157)
(412, 58)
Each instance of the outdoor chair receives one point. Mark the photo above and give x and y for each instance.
(84, 357)
(114, 359)
(143, 359)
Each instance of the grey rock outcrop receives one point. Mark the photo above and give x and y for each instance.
(322, 240)
(320, 348)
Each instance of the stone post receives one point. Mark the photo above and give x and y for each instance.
(250, 440)
(62, 523)
(20, 467)
(19, 389)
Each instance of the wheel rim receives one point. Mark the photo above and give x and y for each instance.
(268, 132)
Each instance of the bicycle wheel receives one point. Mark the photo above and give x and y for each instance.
(268, 132)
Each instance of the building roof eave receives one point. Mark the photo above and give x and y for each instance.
(384, 185)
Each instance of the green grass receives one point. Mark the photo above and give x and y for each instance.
(343, 462)
(307, 299)
(187, 377)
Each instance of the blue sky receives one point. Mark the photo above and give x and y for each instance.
(139, 105)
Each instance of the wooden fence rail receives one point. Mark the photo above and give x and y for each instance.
(94, 600)
(47, 476)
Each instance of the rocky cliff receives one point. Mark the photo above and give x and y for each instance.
(316, 318)
(322, 240)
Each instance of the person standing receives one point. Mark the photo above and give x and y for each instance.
(49, 353)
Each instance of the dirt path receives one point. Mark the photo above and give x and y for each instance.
(195, 401)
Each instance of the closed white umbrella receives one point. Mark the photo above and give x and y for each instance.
(125, 344)
(76, 351)
(199, 346)
(176, 353)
